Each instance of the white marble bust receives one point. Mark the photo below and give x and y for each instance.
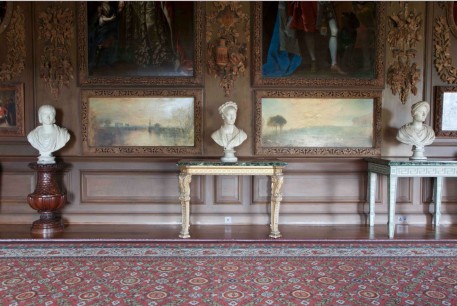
(228, 135)
(48, 137)
(416, 133)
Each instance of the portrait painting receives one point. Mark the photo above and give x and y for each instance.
(319, 43)
(131, 42)
(11, 110)
(302, 124)
(141, 122)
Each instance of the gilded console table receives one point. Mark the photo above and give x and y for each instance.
(269, 168)
(403, 167)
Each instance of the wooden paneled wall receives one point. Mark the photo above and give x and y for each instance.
(144, 189)
(315, 192)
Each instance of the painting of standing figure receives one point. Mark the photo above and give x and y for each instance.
(146, 40)
(319, 43)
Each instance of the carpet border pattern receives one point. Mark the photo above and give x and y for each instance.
(231, 249)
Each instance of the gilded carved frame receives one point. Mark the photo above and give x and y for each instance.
(375, 82)
(106, 134)
(302, 97)
(195, 78)
(445, 111)
(12, 103)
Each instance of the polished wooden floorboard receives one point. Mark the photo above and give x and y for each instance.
(233, 232)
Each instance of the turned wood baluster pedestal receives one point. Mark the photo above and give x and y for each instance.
(47, 199)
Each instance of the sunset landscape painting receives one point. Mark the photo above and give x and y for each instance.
(317, 122)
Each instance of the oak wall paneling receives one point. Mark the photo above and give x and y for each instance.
(144, 190)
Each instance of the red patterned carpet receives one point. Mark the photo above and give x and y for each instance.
(228, 273)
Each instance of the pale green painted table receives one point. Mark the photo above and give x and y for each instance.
(394, 168)
(188, 168)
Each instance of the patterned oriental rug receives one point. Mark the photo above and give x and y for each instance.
(228, 273)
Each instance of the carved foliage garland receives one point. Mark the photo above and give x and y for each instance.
(56, 32)
(15, 39)
(403, 74)
(442, 50)
(227, 48)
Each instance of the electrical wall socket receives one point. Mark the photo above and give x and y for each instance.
(228, 220)
(401, 219)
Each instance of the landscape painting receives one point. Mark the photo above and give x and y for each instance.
(148, 122)
(140, 124)
(446, 111)
(304, 125)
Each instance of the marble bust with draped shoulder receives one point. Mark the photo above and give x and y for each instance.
(416, 133)
(48, 137)
(228, 135)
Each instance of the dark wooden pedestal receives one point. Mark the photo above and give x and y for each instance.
(47, 199)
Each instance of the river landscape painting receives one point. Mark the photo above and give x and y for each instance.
(145, 121)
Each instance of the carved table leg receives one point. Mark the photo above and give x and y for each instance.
(276, 183)
(184, 197)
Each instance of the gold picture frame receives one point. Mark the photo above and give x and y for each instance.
(12, 109)
(121, 53)
(317, 123)
(445, 124)
(369, 74)
(128, 122)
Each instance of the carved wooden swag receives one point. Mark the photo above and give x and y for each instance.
(405, 32)
(56, 33)
(15, 41)
(442, 45)
(227, 48)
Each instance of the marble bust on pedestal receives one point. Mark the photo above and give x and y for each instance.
(416, 133)
(48, 137)
(228, 135)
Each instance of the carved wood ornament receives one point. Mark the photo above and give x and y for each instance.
(15, 52)
(442, 50)
(405, 32)
(56, 33)
(227, 48)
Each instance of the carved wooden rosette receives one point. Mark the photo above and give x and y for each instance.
(15, 51)
(405, 33)
(56, 32)
(47, 199)
(229, 17)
